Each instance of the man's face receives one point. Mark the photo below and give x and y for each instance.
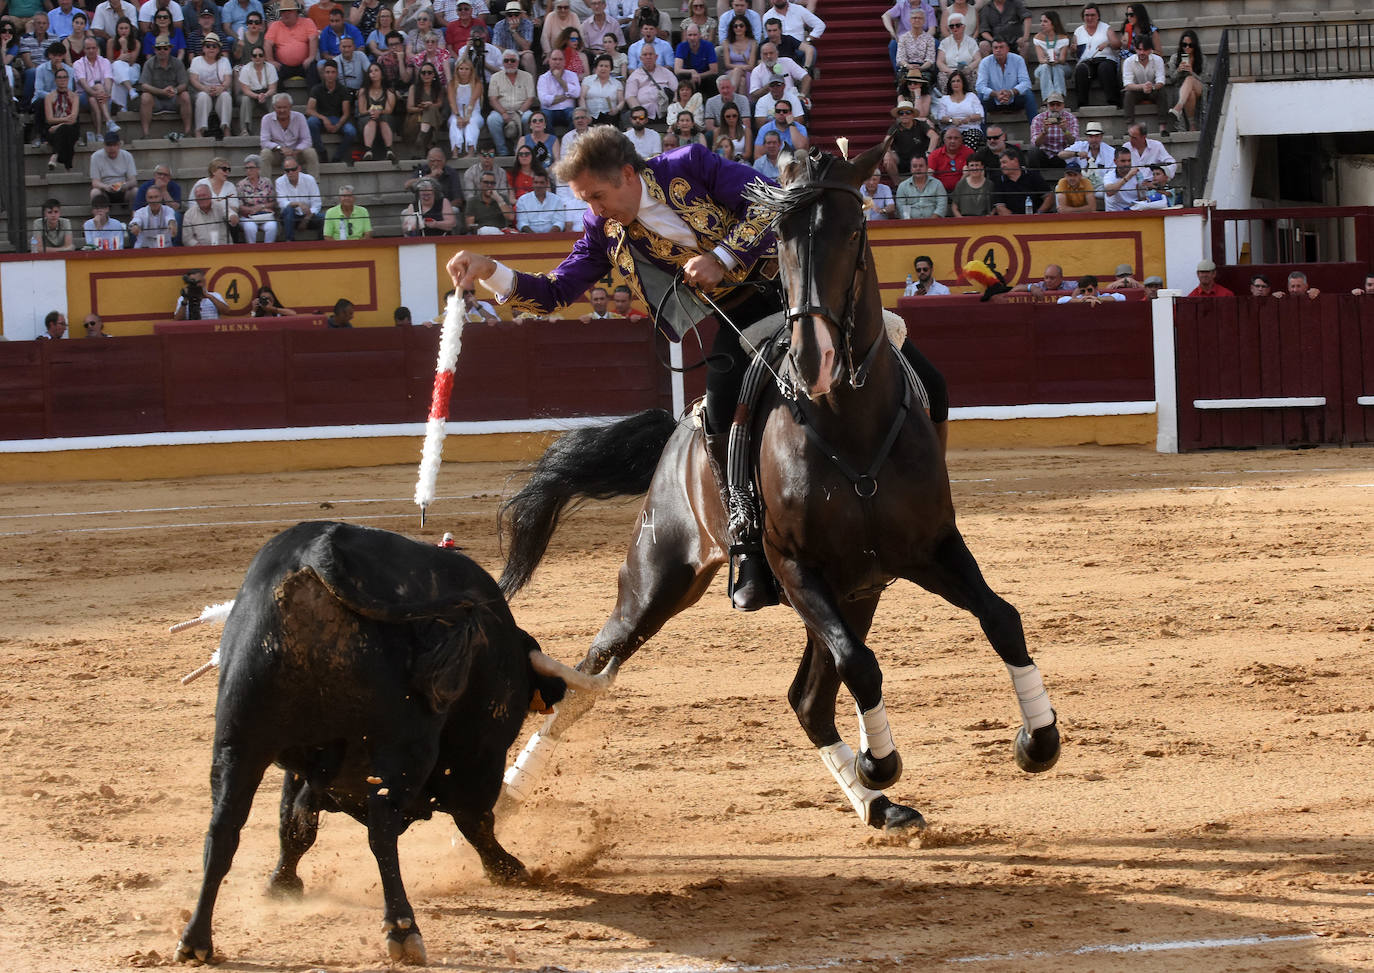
(92, 325)
(556, 62)
(1151, 291)
(649, 33)
(1207, 278)
(999, 51)
(196, 277)
(639, 119)
(510, 65)
(54, 60)
(330, 74)
(154, 199)
(289, 16)
(344, 314)
(953, 140)
(59, 327)
(769, 53)
(1072, 176)
(541, 187)
(1054, 277)
(648, 58)
(1088, 290)
(772, 144)
(773, 30)
(622, 303)
(1094, 142)
(336, 20)
(1143, 54)
(924, 270)
(1260, 288)
(488, 185)
(1123, 162)
(112, 149)
(91, 48)
(1137, 136)
(974, 168)
(346, 46)
(692, 35)
(101, 213)
(871, 183)
(203, 198)
(293, 172)
(610, 200)
(1369, 284)
(161, 177)
(283, 111)
(726, 89)
(1297, 287)
(919, 168)
(581, 120)
(435, 158)
(346, 202)
(1011, 167)
(600, 299)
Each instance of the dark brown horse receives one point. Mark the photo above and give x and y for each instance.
(854, 490)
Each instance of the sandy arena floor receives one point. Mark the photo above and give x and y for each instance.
(1205, 625)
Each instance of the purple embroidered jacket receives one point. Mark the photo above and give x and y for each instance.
(704, 190)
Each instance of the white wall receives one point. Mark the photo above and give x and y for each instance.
(1184, 245)
(29, 289)
(1252, 109)
(419, 281)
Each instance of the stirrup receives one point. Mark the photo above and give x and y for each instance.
(750, 581)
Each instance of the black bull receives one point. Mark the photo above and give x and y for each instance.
(389, 679)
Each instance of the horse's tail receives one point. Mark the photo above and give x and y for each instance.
(617, 459)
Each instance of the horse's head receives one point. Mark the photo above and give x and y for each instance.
(823, 255)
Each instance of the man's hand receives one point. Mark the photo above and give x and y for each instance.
(467, 268)
(704, 271)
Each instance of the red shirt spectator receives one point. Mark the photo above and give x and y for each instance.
(1207, 285)
(949, 169)
(292, 44)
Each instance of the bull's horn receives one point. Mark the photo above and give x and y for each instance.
(548, 666)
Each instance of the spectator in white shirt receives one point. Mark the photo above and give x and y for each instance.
(540, 211)
(1146, 152)
(102, 232)
(798, 22)
(1141, 77)
(298, 195)
(646, 141)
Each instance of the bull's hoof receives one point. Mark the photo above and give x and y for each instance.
(506, 871)
(886, 815)
(409, 950)
(1039, 751)
(192, 954)
(283, 886)
(877, 774)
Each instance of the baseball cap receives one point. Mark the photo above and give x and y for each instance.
(1073, 165)
(1054, 98)
(1206, 265)
(776, 80)
(1154, 280)
(1093, 128)
(111, 138)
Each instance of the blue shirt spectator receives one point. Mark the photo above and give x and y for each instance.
(234, 15)
(783, 131)
(329, 41)
(700, 62)
(1005, 71)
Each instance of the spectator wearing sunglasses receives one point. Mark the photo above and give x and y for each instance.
(235, 13)
(515, 33)
(791, 131)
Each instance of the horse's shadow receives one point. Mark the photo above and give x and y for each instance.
(969, 902)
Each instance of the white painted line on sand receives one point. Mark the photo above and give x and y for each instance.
(232, 506)
(1164, 947)
(208, 523)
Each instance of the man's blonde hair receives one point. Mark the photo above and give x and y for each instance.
(602, 151)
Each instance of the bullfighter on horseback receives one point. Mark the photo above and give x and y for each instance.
(684, 212)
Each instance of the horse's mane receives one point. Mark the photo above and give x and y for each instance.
(800, 183)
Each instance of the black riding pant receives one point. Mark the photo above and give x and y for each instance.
(932, 379)
(728, 361)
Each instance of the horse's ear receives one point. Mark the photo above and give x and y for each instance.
(866, 163)
(790, 169)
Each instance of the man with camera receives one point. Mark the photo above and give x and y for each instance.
(1051, 132)
(196, 303)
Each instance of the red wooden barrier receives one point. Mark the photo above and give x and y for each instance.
(282, 379)
(1233, 353)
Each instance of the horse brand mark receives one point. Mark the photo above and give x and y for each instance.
(646, 525)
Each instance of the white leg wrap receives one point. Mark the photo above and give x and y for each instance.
(1031, 696)
(874, 733)
(839, 760)
(523, 775)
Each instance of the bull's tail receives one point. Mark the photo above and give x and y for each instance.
(617, 459)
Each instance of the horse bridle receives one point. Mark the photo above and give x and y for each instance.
(843, 322)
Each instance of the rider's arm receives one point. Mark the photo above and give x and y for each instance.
(543, 293)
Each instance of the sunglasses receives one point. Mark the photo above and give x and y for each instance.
(524, 152)
(781, 111)
(221, 168)
(292, 169)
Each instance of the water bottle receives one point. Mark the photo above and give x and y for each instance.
(909, 282)
(33, 244)
(1029, 208)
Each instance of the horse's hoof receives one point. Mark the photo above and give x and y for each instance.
(1039, 751)
(885, 815)
(410, 950)
(875, 774)
(193, 955)
(281, 886)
